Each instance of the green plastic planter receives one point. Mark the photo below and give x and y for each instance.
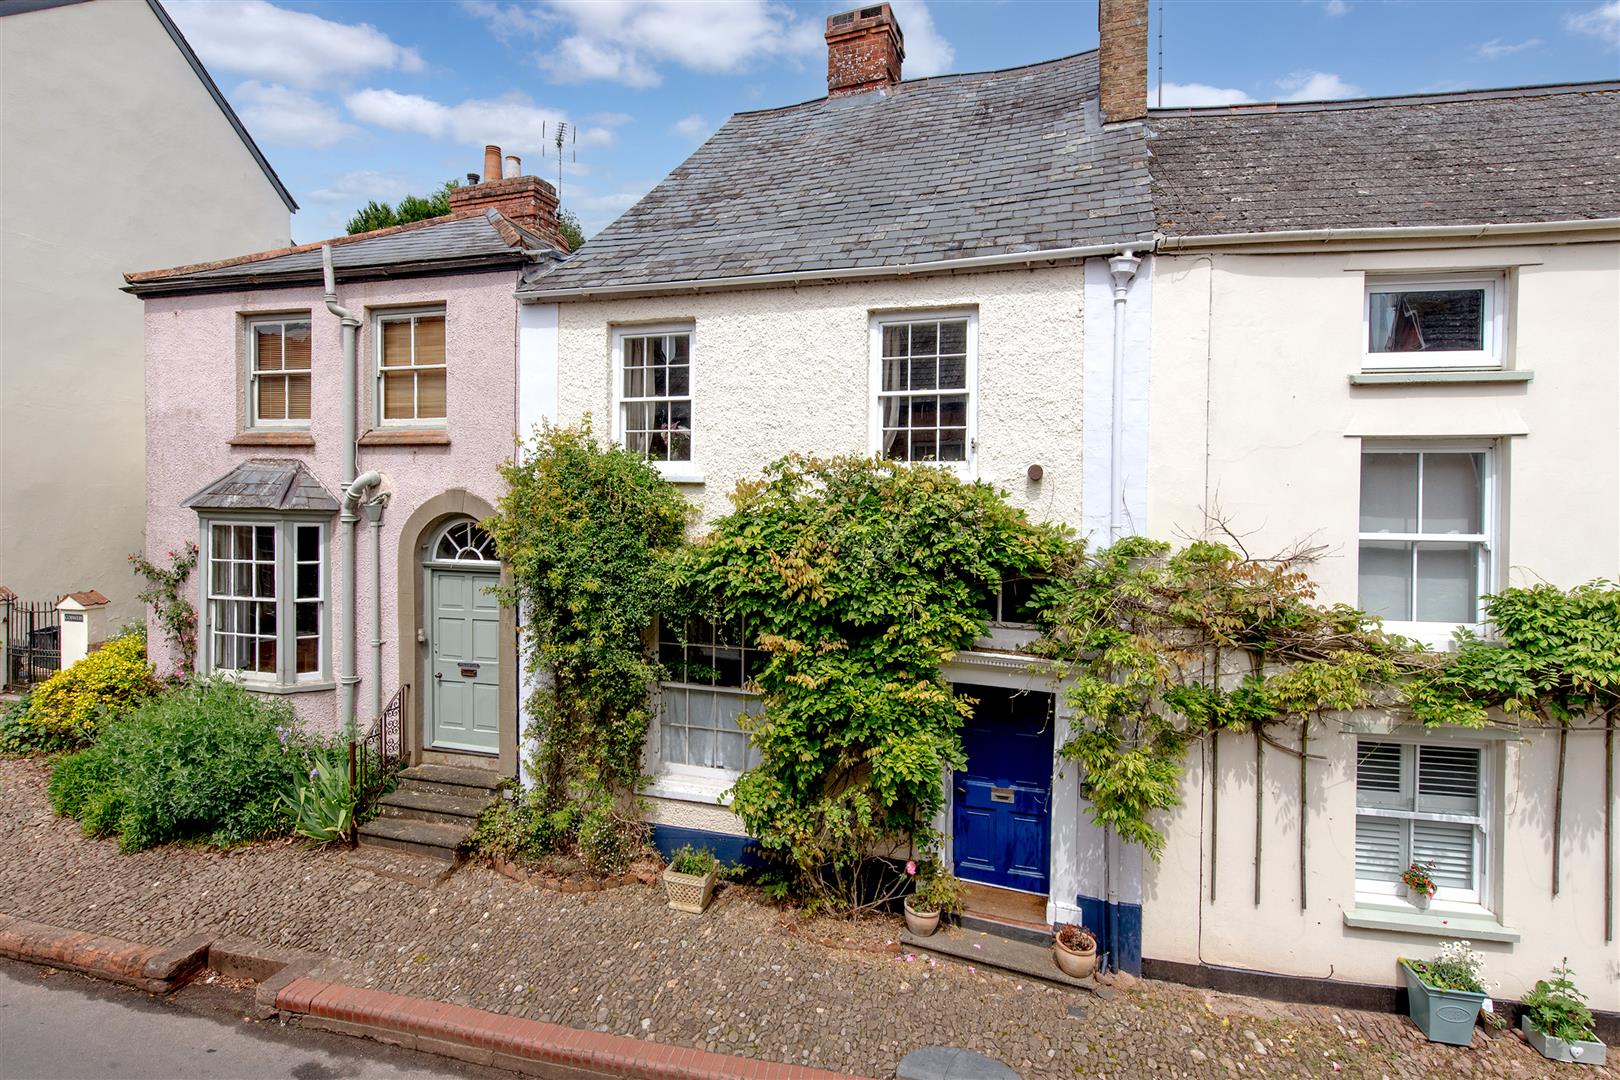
(1444, 1016)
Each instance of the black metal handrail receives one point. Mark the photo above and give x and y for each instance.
(376, 756)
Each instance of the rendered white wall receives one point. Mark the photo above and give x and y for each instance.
(1275, 447)
(113, 157)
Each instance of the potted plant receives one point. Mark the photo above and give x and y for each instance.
(937, 891)
(1419, 882)
(689, 878)
(1557, 1021)
(1444, 995)
(1075, 950)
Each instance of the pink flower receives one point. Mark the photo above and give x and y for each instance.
(911, 867)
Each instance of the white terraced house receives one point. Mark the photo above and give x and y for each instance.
(1389, 328)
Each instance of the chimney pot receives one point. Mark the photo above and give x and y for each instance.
(514, 166)
(1122, 59)
(865, 50)
(492, 161)
(472, 178)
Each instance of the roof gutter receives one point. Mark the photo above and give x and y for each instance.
(1399, 232)
(1006, 260)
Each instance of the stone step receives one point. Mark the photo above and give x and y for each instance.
(986, 950)
(421, 803)
(433, 839)
(423, 871)
(458, 780)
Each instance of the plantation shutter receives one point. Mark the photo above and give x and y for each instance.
(1449, 847)
(1448, 779)
(1380, 848)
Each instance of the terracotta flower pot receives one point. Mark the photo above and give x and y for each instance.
(921, 923)
(1075, 963)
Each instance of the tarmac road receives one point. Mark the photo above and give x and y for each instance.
(60, 1026)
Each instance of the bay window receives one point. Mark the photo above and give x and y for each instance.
(264, 616)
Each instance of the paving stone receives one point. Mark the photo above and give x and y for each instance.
(951, 1063)
(743, 979)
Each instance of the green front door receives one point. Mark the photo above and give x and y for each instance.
(464, 676)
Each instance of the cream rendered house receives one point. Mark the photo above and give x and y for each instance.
(881, 271)
(1391, 329)
(118, 150)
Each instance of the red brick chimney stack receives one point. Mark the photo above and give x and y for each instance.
(1122, 59)
(524, 200)
(864, 50)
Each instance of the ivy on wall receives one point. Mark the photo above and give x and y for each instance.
(587, 531)
(860, 579)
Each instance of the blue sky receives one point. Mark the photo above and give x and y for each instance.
(360, 99)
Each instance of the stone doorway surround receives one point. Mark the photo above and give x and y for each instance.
(419, 530)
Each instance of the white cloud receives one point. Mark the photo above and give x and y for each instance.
(927, 52)
(612, 119)
(362, 186)
(513, 121)
(1602, 22)
(1315, 86)
(1496, 48)
(1193, 95)
(293, 48)
(276, 114)
(695, 126)
(1335, 8)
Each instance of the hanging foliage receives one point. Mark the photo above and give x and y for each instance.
(587, 531)
(860, 579)
(1161, 648)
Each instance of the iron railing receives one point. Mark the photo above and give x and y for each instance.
(376, 756)
(33, 641)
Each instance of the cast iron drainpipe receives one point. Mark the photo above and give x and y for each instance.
(355, 488)
(374, 512)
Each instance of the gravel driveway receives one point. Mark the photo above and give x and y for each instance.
(737, 980)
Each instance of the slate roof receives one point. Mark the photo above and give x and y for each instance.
(474, 239)
(1526, 155)
(933, 169)
(265, 484)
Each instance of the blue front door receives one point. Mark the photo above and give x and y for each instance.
(1001, 819)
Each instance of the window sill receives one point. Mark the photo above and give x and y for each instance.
(273, 438)
(1436, 922)
(406, 437)
(682, 474)
(1422, 378)
(286, 688)
(683, 787)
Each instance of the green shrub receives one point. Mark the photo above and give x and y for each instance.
(206, 762)
(687, 859)
(71, 706)
(321, 801)
(19, 738)
(1557, 1007)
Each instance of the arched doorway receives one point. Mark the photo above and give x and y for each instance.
(462, 618)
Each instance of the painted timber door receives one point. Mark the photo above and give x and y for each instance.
(464, 691)
(1001, 820)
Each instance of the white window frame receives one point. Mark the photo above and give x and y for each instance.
(1474, 901)
(1438, 635)
(685, 471)
(1492, 330)
(678, 780)
(408, 315)
(286, 676)
(968, 469)
(251, 348)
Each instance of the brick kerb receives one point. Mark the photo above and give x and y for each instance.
(530, 1046)
(155, 969)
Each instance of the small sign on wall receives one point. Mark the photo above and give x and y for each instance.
(73, 616)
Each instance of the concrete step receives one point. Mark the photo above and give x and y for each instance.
(986, 950)
(458, 780)
(421, 803)
(423, 871)
(434, 839)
